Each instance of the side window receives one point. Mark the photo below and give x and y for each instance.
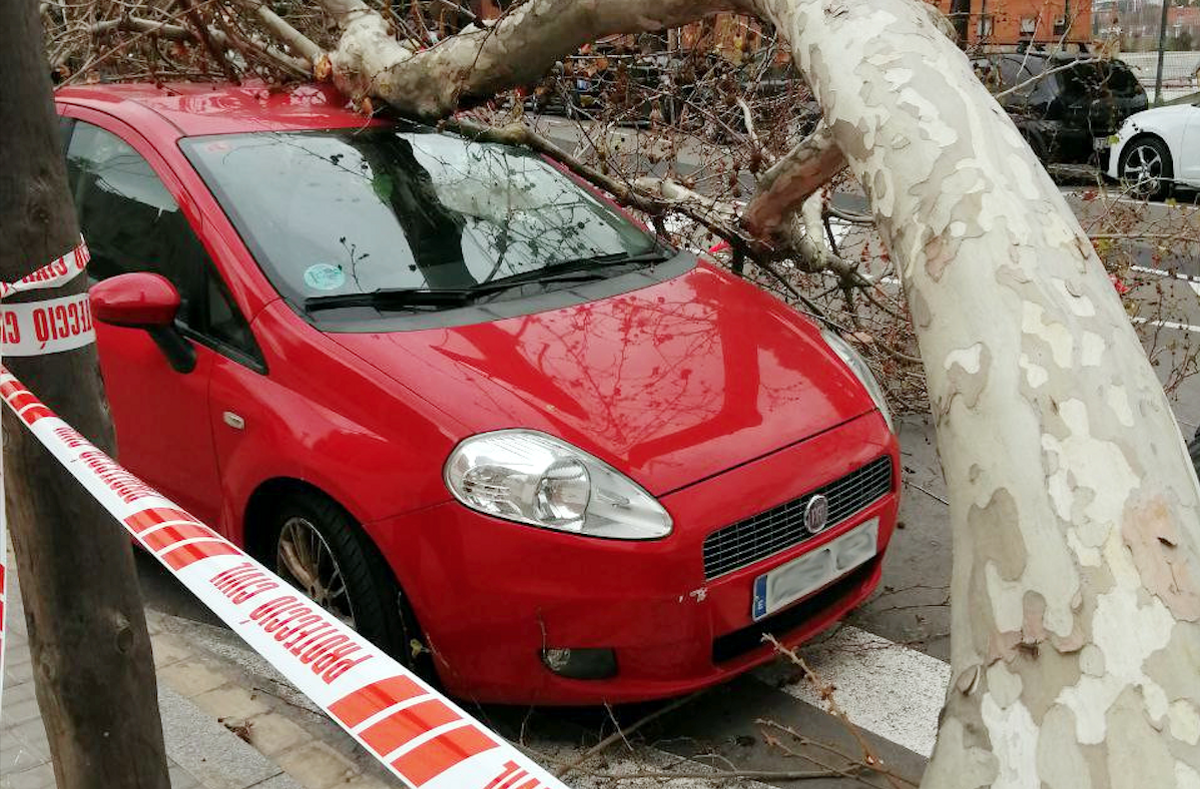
(132, 223)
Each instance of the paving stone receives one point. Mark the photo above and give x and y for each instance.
(40, 777)
(16, 756)
(15, 699)
(212, 754)
(168, 650)
(366, 782)
(230, 701)
(316, 766)
(272, 733)
(190, 677)
(16, 673)
(282, 781)
(182, 779)
(33, 735)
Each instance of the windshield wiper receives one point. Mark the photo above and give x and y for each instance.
(581, 269)
(394, 298)
(581, 265)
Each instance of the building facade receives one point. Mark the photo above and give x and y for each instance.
(1003, 24)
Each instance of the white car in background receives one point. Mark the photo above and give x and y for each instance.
(1156, 150)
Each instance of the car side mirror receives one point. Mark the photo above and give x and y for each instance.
(135, 301)
(145, 301)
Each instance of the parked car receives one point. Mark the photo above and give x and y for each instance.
(464, 402)
(1157, 150)
(1065, 105)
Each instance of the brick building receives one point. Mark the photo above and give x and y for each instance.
(1009, 23)
(993, 23)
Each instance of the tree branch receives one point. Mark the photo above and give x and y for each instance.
(479, 63)
(284, 32)
(173, 32)
(790, 181)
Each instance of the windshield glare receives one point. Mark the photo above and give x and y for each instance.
(359, 210)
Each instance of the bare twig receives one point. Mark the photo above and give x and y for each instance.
(622, 734)
(206, 36)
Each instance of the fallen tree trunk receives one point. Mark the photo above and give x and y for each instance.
(1073, 505)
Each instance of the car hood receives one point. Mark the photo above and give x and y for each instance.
(670, 383)
(1161, 114)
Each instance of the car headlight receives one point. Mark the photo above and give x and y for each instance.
(530, 477)
(858, 366)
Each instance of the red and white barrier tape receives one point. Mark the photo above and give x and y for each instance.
(32, 329)
(40, 327)
(53, 274)
(417, 733)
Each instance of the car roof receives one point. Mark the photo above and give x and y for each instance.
(216, 108)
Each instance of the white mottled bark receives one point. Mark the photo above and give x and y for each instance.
(1074, 508)
(518, 50)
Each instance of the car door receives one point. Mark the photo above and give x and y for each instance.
(128, 204)
(1189, 150)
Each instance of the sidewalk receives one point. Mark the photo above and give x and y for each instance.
(220, 731)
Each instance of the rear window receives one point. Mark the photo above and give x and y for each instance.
(1099, 78)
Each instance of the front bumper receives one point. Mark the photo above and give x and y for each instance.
(1117, 144)
(491, 594)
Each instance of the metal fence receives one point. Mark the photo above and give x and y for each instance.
(1181, 72)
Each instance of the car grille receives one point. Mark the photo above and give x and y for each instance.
(759, 536)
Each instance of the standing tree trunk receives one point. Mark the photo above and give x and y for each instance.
(87, 630)
(1074, 507)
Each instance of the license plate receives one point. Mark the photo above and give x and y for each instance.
(810, 572)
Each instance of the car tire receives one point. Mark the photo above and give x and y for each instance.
(1150, 161)
(314, 543)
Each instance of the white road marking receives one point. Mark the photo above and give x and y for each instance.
(1165, 324)
(1158, 272)
(885, 688)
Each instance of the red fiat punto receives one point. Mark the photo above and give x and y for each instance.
(464, 402)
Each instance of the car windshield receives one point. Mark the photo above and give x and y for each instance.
(359, 211)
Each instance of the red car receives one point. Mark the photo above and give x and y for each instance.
(464, 402)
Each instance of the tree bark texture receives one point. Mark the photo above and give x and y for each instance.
(93, 669)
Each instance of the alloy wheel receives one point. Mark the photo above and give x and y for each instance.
(1143, 170)
(304, 559)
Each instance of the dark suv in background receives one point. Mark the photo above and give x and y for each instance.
(1065, 104)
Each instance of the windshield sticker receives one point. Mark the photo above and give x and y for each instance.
(324, 276)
